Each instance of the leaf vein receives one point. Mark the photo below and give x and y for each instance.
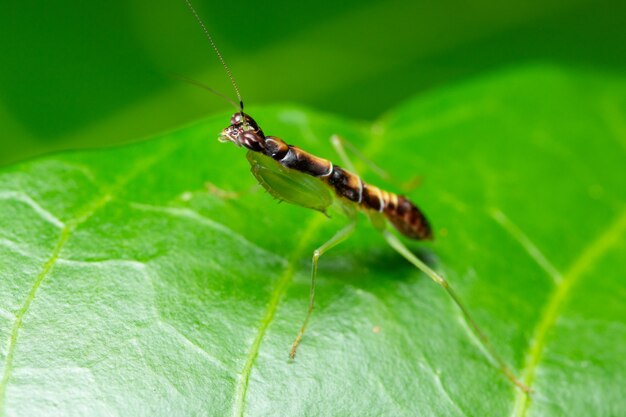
(198, 218)
(67, 228)
(187, 342)
(15, 247)
(45, 214)
(528, 245)
(284, 280)
(589, 256)
(19, 317)
(443, 389)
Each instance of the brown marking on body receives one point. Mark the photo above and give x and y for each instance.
(408, 219)
(401, 212)
(372, 197)
(388, 202)
(275, 147)
(302, 161)
(346, 184)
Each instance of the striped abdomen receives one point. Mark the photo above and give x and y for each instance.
(400, 211)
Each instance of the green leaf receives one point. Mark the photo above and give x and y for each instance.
(128, 286)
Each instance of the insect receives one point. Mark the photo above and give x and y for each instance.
(301, 178)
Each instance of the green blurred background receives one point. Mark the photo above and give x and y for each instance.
(78, 74)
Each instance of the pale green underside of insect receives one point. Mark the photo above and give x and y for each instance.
(302, 189)
(290, 185)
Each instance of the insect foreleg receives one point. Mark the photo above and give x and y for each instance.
(396, 244)
(339, 237)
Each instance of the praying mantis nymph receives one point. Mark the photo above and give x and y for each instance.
(301, 178)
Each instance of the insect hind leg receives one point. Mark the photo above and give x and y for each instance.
(340, 144)
(399, 247)
(339, 237)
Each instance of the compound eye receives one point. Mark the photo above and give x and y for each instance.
(250, 121)
(236, 119)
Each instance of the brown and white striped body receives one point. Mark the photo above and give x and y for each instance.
(399, 210)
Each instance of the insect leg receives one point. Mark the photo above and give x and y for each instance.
(340, 145)
(221, 193)
(396, 244)
(339, 237)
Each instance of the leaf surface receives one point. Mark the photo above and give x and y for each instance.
(156, 279)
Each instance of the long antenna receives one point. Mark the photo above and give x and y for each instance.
(217, 51)
(205, 87)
